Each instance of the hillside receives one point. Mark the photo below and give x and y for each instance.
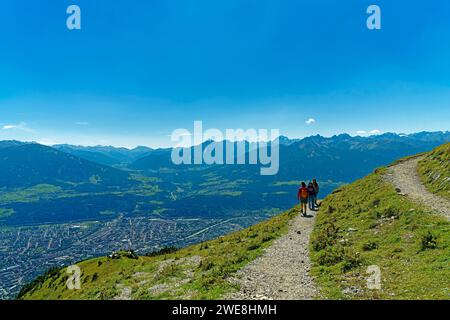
(30, 164)
(219, 190)
(366, 223)
(196, 272)
(340, 158)
(40, 185)
(435, 171)
(105, 155)
(373, 222)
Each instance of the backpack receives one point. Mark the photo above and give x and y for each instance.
(304, 193)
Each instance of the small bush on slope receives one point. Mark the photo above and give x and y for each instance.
(373, 225)
(195, 272)
(434, 170)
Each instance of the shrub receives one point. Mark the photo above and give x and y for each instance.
(391, 212)
(52, 273)
(169, 271)
(330, 256)
(253, 246)
(369, 246)
(350, 260)
(206, 264)
(130, 254)
(326, 237)
(163, 251)
(268, 238)
(429, 241)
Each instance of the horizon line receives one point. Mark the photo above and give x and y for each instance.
(400, 134)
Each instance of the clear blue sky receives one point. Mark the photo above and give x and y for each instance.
(140, 69)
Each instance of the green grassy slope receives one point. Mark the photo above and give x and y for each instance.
(367, 223)
(195, 272)
(434, 170)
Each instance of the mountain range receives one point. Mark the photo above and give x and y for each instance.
(89, 181)
(106, 155)
(382, 237)
(65, 203)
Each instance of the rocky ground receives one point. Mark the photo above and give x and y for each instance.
(404, 177)
(282, 272)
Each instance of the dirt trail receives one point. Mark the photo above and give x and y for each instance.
(404, 177)
(282, 272)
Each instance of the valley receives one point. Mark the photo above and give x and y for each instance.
(26, 252)
(64, 204)
(369, 240)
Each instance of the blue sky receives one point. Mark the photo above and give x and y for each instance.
(140, 69)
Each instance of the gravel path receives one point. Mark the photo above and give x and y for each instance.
(407, 182)
(282, 272)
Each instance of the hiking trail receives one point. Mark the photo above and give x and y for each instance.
(404, 177)
(282, 272)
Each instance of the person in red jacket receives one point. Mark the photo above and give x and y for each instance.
(302, 196)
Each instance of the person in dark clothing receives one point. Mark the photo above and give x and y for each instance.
(311, 196)
(302, 196)
(316, 188)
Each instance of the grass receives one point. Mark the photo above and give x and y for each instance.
(434, 170)
(359, 226)
(197, 272)
(32, 194)
(215, 186)
(367, 223)
(5, 212)
(50, 192)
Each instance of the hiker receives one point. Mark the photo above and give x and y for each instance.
(316, 188)
(311, 197)
(302, 196)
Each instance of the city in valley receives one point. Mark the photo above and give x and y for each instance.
(26, 252)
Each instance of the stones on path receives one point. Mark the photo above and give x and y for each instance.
(282, 272)
(406, 181)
